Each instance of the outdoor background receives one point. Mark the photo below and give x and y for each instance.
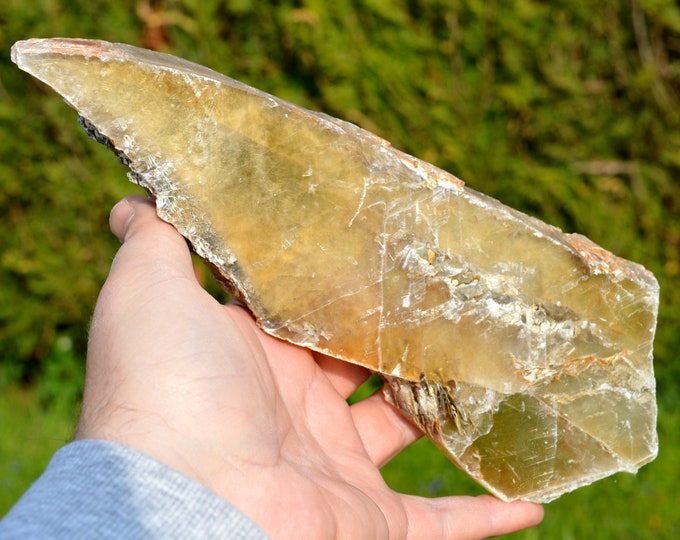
(567, 110)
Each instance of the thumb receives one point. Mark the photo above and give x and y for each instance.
(150, 279)
(152, 249)
(140, 317)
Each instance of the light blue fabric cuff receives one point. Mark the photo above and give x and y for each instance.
(100, 489)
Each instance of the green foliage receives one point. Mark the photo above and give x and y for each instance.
(62, 379)
(569, 111)
(56, 189)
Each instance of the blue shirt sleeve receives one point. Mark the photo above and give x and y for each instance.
(101, 489)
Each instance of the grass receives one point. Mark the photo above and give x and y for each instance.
(620, 507)
(30, 433)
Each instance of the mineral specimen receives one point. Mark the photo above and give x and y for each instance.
(524, 353)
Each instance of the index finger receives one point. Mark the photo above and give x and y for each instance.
(344, 376)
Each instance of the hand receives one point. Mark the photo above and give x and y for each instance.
(263, 423)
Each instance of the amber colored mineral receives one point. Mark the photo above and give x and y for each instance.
(524, 353)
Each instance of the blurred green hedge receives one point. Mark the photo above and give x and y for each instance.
(568, 110)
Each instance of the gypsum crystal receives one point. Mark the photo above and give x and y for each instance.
(524, 353)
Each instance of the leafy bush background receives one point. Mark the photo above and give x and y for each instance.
(567, 110)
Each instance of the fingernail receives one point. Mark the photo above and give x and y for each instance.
(126, 208)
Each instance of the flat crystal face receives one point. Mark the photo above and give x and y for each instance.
(524, 353)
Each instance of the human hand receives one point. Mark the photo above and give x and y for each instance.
(262, 423)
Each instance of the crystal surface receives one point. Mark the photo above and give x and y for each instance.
(524, 353)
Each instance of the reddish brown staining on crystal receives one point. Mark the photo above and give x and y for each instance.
(430, 175)
(71, 47)
(571, 367)
(431, 255)
(600, 260)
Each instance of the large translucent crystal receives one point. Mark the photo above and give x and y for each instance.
(524, 353)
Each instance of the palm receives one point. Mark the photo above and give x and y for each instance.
(320, 454)
(261, 422)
